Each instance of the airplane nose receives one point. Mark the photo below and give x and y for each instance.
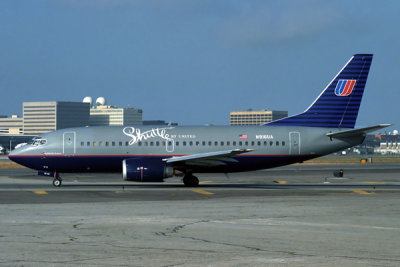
(14, 154)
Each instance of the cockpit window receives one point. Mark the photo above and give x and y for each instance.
(38, 141)
(35, 142)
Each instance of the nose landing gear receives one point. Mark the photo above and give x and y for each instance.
(57, 182)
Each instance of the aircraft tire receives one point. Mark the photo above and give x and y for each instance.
(190, 181)
(57, 182)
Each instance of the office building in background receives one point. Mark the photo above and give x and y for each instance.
(255, 117)
(43, 117)
(106, 115)
(11, 125)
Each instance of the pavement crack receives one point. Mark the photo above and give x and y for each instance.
(223, 243)
(178, 228)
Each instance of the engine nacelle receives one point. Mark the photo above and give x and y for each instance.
(145, 170)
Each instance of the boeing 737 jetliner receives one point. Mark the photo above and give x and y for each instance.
(151, 154)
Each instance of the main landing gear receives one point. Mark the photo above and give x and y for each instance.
(190, 181)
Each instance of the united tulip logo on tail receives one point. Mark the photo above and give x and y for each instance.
(344, 87)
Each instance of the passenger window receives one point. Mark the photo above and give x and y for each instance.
(203, 143)
(240, 143)
(252, 143)
(163, 143)
(216, 143)
(234, 143)
(107, 143)
(271, 143)
(88, 143)
(258, 143)
(177, 143)
(184, 143)
(197, 143)
(169, 143)
(140, 143)
(209, 143)
(94, 143)
(113, 143)
(126, 143)
(100, 143)
(146, 143)
(222, 143)
(82, 143)
(190, 143)
(283, 143)
(157, 143)
(246, 143)
(228, 143)
(151, 143)
(265, 143)
(277, 143)
(120, 143)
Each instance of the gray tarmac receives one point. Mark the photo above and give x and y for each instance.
(291, 216)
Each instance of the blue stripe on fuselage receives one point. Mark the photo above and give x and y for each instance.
(100, 163)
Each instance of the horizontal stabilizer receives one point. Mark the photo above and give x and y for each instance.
(357, 132)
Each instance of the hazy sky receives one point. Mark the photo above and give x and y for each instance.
(194, 61)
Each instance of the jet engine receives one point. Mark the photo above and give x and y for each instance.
(146, 170)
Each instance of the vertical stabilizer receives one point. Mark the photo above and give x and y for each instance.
(338, 104)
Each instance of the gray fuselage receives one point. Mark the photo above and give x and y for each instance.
(102, 149)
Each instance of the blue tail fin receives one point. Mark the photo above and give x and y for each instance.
(337, 106)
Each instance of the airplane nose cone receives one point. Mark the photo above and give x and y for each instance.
(15, 155)
(15, 152)
(12, 153)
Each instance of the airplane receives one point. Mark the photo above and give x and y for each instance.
(152, 154)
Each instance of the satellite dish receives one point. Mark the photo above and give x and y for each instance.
(101, 101)
(88, 99)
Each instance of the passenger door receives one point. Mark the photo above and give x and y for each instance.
(69, 143)
(294, 140)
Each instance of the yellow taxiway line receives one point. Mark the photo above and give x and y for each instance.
(280, 182)
(40, 192)
(362, 192)
(202, 192)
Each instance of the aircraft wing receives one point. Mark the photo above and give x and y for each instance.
(357, 132)
(208, 159)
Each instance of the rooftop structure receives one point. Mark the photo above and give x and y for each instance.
(103, 115)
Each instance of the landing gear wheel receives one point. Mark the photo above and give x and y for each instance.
(190, 181)
(57, 182)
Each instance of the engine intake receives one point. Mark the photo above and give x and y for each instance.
(145, 170)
